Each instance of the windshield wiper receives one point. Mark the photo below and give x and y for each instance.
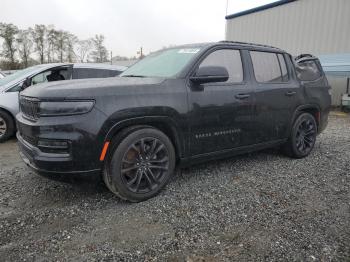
(132, 76)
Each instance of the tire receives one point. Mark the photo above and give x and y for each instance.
(134, 174)
(302, 137)
(7, 126)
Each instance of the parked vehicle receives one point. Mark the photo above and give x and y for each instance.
(177, 106)
(13, 84)
(2, 75)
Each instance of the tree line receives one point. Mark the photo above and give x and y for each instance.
(46, 44)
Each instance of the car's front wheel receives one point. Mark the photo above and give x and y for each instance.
(303, 136)
(7, 126)
(140, 164)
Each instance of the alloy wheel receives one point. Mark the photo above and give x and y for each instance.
(144, 165)
(305, 136)
(3, 127)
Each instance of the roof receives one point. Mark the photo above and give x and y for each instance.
(251, 45)
(100, 66)
(259, 8)
(233, 43)
(338, 64)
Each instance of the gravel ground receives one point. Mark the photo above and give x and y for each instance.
(261, 206)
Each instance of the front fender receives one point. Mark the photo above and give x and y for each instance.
(165, 123)
(9, 102)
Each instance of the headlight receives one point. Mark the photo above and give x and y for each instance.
(65, 108)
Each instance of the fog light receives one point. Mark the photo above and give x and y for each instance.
(54, 146)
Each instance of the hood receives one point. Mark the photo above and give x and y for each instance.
(90, 88)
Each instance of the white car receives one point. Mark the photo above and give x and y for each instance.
(2, 75)
(11, 85)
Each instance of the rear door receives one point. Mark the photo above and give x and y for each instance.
(278, 94)
(220, 113)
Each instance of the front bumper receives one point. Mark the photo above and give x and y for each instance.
(47, 162)
(40, 143)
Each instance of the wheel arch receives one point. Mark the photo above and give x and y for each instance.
(163, 123)
(312, 109)
(10, 114)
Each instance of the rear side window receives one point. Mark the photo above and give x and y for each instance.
(228, 58)
(269, 67)
(283, 66)
(82, 73)
(308, 70)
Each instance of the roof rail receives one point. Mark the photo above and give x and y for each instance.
(249, 44)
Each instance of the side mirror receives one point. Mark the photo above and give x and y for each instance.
(208, 74)
(26, 83)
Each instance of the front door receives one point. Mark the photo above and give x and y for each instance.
(220, 113)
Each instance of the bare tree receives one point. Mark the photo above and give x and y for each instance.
(51, 40)
(99, 53)
(39, 37)
(71, 42)
(83, 48)
(61, 44)
(8, 32)
(25, 45)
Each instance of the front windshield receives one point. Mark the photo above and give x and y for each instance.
(165, 63)
(18, 75)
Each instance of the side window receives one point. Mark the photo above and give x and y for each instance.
(308, 71)
(82, 73)
(40, 78)
(228, 58)
(50, 76)
(269, 67)
(113, 73)
(283, 67)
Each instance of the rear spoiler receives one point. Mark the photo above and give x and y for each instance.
(304, 57)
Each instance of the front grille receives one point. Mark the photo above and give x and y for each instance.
(29, 107)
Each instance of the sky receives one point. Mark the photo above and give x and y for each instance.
(130, 24)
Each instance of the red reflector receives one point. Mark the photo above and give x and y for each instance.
(318, 117)
(104, 151)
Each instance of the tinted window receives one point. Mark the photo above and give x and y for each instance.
(82, 73)
(269, 67)
(308, 71)
(113, 73)
(228, 58)
(283, 67)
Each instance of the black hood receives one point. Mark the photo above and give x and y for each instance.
(90, 88)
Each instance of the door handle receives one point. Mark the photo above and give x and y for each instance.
(242, 96)
(290, 93)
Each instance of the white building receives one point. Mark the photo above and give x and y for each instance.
(319, 27)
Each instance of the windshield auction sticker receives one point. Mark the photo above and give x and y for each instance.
(188, 51)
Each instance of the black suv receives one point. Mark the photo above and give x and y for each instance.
(179, 105)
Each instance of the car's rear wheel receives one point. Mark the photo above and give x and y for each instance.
(140, 164)
(7, 126)
(303, 136)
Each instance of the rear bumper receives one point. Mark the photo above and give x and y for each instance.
(47, 162)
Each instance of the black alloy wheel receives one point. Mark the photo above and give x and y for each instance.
(306, 136)
(140, 164)
(303, 136)
(144, 165)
